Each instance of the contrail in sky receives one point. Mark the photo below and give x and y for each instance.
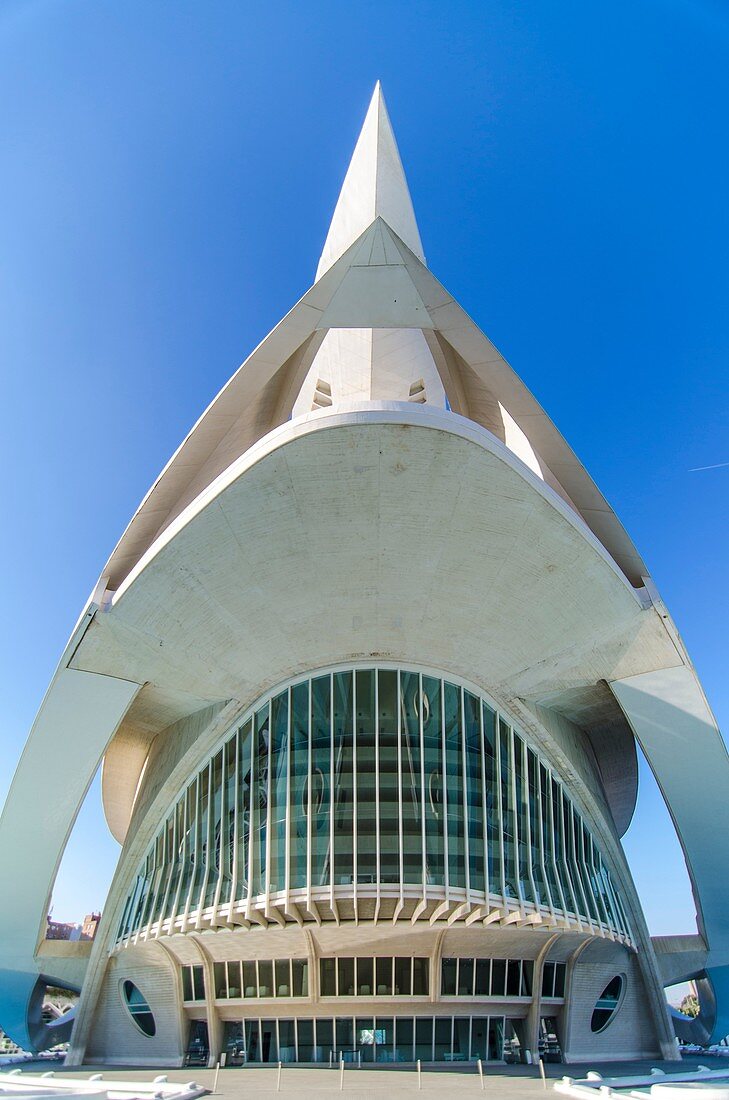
(716, 466)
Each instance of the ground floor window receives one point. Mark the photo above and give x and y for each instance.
(198, 1047)
(363, 1039)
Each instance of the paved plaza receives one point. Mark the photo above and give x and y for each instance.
(514, 1082)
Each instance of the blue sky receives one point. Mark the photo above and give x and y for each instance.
(168, 173)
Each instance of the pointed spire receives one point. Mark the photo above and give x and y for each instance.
(375, 186)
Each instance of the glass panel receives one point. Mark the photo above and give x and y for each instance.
(483, 977)
(535, 828)
(214, 829)
(424, 1038)
(244, 810)
(265, 978)
(454, 787)
(465, 977)
(320, 786)
(346, 977)
(388, 777)
(433, 771)
(279, 793)
(461, 1038)
(187, 983)
(412, 819)
(300, 977)
(365, 977)
(253, 1045)
(404, 1038)
(512, 1045)
(365, 1038)
(234, 982)
(384, 1039)
(513, 978)
(474, 793)
(507, 811)
(260, 800)
(286, 1041)
(383, 970)
(492, 799)
(227, 830)
(198, 1047)
(282, 970)
(522, 821)
(234, 1043)
(559, 979)
(421, 977)
(448, 977)
(343, 779)
(366, 769)
(480, 1037)
(344, 1034)
(221, 980)
(269, 1043)
(198, 983)
(548, 979)
(496, 1038)
(443, 1027)
(299, 792)
(250, 981)
(305, 1035)
(328, 977)
(324, 1039)
(527, 968)
(403, 977)
(498, 977)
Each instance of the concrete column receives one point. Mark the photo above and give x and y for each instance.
(215, 1025)
(535, 1010)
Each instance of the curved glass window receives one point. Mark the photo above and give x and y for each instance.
(138, 1008)
(367, 783)
(608, 1003)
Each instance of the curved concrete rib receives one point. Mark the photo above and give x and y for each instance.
(677, 732)
(78, 717)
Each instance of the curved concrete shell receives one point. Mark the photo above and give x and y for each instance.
(373, 499)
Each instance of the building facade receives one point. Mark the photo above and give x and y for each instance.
(366, 672)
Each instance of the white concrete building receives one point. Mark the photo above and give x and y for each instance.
(366, 672)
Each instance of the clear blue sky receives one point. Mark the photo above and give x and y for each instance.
(168, 173)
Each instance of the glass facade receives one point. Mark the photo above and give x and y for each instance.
(249, 979)
(365, 1039)
(374, 977)
(372, 782)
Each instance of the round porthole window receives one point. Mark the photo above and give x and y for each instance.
(608, 1003)
(139, 1010)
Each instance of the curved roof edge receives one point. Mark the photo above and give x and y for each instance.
(261, 394)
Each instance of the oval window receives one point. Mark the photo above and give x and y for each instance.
(139, 1010)
(607, 1003)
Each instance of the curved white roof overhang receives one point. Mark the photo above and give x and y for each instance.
(377, 283)
(414, 534)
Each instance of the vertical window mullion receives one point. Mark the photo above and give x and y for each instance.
(398, 698)
(444, 785)
(541, 821)
(332, 793)
(236, 819)
(500, 802)
(355, 785)
(484, 803)
(515, 823)
(465, 808)
(377, 786)
(423, 810)
(287, 827)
